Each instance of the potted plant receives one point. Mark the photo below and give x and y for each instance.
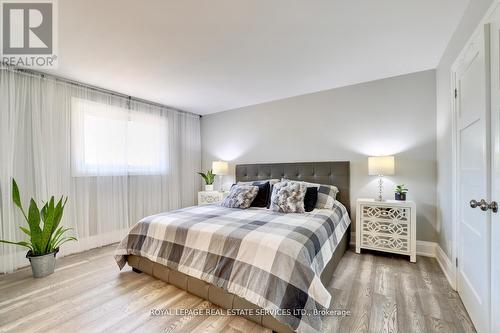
(209, 178)
(400, 192)
(44, 240)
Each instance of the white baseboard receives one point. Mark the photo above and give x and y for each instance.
(447, 266)
(17, 259)
(432, 249)
(426, 249)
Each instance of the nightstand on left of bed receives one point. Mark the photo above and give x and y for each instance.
(210, 197)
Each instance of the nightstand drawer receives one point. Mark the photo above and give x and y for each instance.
(386, 213)
(374, 226)
(385, 241)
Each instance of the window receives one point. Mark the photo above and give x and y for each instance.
(113, 140)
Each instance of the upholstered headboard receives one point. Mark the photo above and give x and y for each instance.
(331, 173)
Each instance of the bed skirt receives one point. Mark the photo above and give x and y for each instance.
(223, 298)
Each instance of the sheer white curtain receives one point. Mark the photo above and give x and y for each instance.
(117, 160)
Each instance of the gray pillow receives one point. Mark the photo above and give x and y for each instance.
(327, 194)
(240, 196)
(288, 197)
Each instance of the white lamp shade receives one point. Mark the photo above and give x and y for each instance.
(381, 165)
(220, 168)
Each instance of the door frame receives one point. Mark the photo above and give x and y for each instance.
(455, 151)
(494, 19)
(454, 175)
(494, 257)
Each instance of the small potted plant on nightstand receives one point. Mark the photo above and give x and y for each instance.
(400, 192)
(209, 178)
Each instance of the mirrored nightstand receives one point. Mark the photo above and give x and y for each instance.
(388, 226)
(210, 197)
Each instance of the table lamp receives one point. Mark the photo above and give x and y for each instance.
(220, 168)
(380, 166)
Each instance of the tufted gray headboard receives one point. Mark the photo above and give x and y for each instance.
(331, 173)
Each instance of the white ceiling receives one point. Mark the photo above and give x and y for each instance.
(207, 56)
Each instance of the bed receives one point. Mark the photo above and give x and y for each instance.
(270, 267)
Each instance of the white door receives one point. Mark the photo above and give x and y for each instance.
(473, 176)
(495, 170)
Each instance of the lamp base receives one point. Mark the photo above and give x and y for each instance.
(221, 187)
(380, 190)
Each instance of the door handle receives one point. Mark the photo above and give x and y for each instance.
(474, 204)
(484, 206)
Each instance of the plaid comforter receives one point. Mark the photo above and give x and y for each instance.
(271, 259)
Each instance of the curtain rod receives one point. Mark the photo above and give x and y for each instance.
(44, 75)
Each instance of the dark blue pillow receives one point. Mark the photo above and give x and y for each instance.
(310, 198)
(262, 197)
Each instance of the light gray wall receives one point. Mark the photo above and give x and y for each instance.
(391, 116)
(473, 15)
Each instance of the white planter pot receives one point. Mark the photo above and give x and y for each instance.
(209, 188)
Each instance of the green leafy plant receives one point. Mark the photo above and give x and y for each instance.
(208, 177)
(47, 237)
(401, 189)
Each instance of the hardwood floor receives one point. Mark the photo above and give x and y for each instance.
(88, 294)
(389, 294)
